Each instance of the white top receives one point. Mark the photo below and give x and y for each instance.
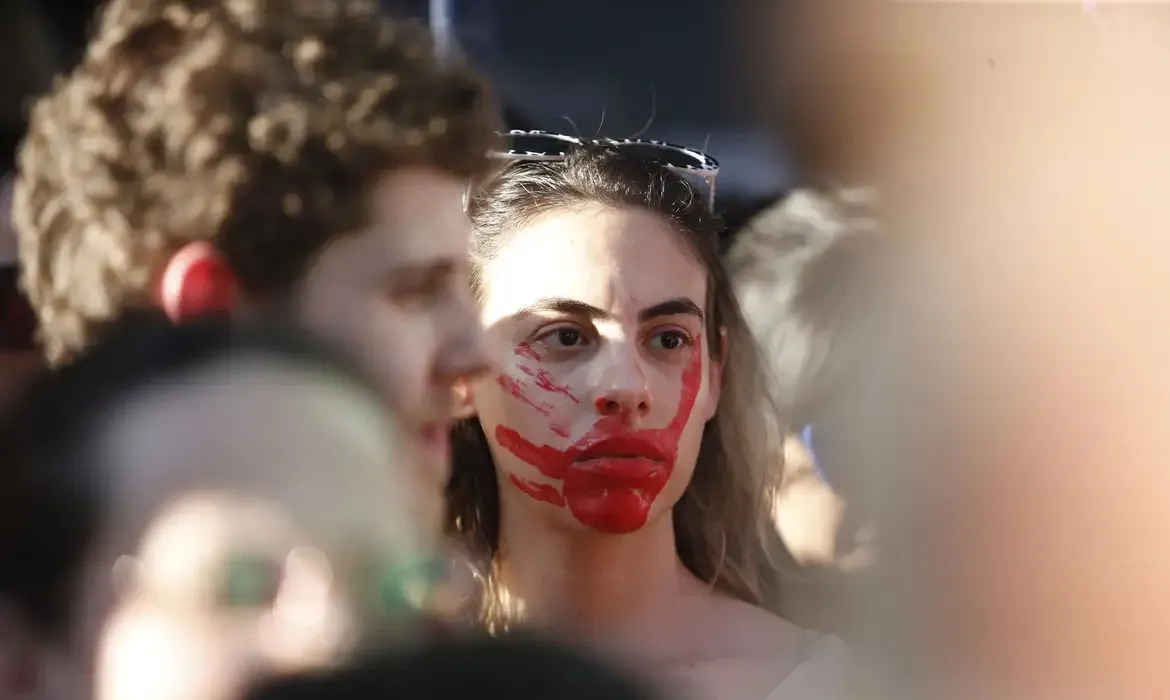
(823, 673)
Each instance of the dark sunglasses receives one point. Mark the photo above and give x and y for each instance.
(547, 146)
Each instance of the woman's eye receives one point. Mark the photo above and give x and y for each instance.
(669, 340)
(568, 337)
(564, 338)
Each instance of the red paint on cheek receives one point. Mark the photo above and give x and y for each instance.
(611, 499)
(517, 390)
(548, 460)
(539, 492)
(544, 381)
(525, 350)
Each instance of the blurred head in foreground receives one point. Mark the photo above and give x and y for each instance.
(1025, 482)
(291, 157)
(184, 507)
(489, 668)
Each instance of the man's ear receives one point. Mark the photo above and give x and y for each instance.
(715, 373)
(464, 402)
(196, 281)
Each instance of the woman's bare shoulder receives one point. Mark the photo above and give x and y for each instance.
(754, 630)
(823, 673)
(762, 655)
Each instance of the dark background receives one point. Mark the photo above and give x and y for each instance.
(664, 70)
(674, 65)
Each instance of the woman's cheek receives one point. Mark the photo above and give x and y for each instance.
(545, 400)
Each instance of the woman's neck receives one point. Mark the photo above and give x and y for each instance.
(585, 584)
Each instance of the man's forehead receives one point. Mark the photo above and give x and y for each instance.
(420, 214)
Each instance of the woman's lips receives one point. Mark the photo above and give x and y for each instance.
(621, 467)
(622, 447)
(623, 458)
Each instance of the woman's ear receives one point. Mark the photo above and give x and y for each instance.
(464, 401)
(715, 372)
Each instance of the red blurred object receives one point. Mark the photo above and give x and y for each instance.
(197, 282)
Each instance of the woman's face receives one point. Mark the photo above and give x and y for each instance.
(259, 521)
(596, 415)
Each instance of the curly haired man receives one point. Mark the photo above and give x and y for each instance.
(302, 157)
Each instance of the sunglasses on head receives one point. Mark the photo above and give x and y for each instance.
(528, 146)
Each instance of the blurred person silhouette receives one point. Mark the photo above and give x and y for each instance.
(506, 668)
(185, 507)
(18, 353)
(615, 471)
(34, 50)
(801, 271)
(1015, 437)
(820, 76)
(265, 157)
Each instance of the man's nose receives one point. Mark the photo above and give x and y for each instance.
(467, 351)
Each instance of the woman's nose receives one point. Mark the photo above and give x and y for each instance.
(622, 391)
(628, 403)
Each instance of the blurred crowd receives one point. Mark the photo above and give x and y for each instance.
(321, 378)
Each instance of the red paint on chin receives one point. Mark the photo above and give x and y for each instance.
(608, 493)
(615, 511)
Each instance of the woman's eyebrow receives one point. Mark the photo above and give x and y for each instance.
(572, 307)
(671, 307)
(562, 305)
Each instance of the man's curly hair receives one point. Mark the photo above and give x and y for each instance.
(259, 125)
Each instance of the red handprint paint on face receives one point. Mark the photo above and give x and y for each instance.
(611, 476)
(539, 492)
(521, 391)
(525, 350)
(518, 391)
(544, 381)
